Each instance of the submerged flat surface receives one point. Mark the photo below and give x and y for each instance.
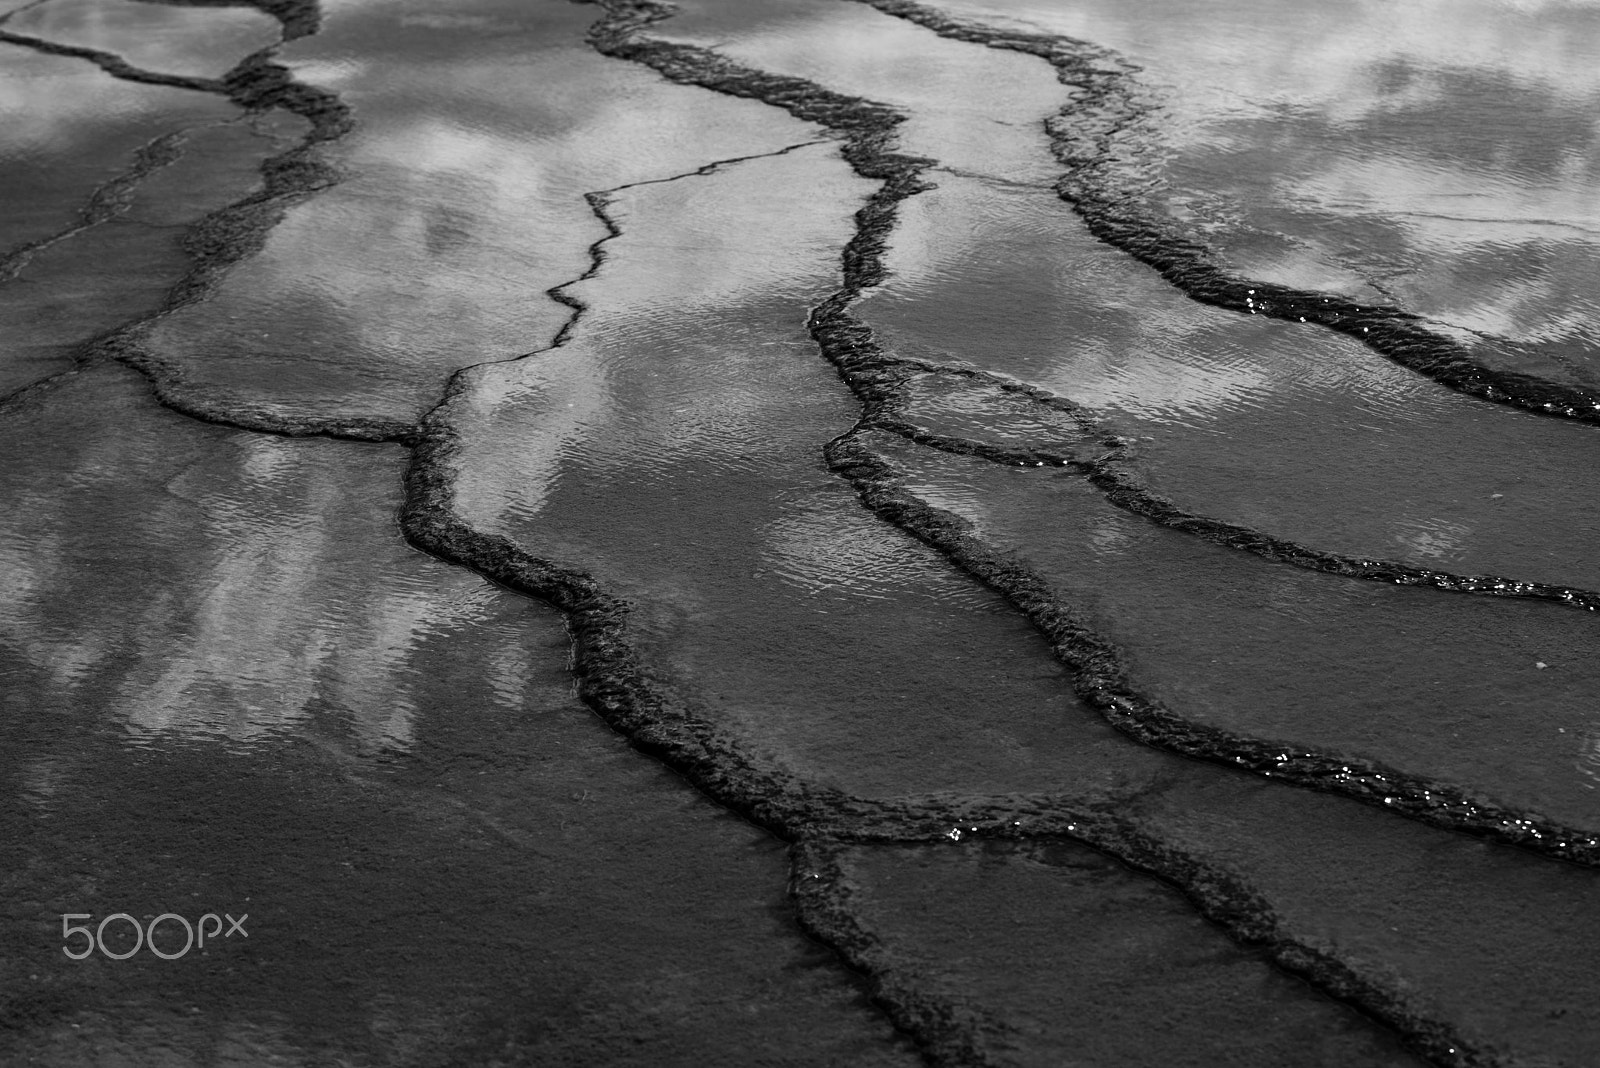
(799, 532)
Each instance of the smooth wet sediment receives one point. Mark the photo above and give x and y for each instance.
(1439, 156)
(1107, 103)
(181, 40)
(444, 857)
(1231, 423)
(873, 373)
(674, 60)
(632, 668)
(1182, 644)
(224, 235)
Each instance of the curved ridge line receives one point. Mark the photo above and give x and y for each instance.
(299, 18)
(890, 413)
(947, 1031)
(108, 199)
(236, 231)
(105, 201)
(820, 887)
(14, 12)
(852, 347)
(1228, 901)
(232, 233)
(613, 683)
(599, 201)
(1398, 335)
(609, 680)
(212, 405)
(112, 63)
(868, 131)
(1102, 683)
(1130, 493)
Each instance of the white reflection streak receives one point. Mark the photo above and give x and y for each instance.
(276, 635)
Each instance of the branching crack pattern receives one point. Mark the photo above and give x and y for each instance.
(821, 822)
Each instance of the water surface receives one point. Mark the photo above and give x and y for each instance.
(798, 596)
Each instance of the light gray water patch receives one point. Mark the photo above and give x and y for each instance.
(672, 446)
(1135, 975)
(1303, 436)
(232, 687)
(1487, 695)
(199, 41)
(461, 204)
(70, 128)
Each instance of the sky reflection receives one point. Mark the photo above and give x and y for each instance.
(1359, 144)
(171, 39)
(462, 202)
(183, 582)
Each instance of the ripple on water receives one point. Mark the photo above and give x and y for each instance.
(202, 40)
(174, 581)
(460, 203)
(762, 595)
(969, 108)
(827, 543)
(1429, 154)
(1139, 977)
(1291, 430)
(68, 128)
(983, 410)
(1490, 694)
(1497, 944)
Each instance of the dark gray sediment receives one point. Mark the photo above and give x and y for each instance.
(1097, 185)
(835, 835)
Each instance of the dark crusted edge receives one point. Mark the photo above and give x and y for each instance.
(1127, 491)
(232, 233)
(107, 200)
(299, 18)
(112, 63)
(821, 889)
(610, 680)
(850, 345)
(1105, 83)
(1101, 682)
(867, 129)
